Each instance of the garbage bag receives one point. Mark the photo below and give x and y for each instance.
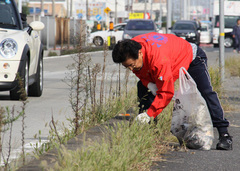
(191, 121)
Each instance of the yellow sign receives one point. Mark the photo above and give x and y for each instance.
(107, 10)
(136, 15)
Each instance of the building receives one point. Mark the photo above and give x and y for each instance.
(60, 8)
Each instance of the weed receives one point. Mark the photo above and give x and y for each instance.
(52, 54)
(7, 118)
(40, 147)
(23, 99)
(216, 80)
(127, 147)
(123, 147)
(232, 65)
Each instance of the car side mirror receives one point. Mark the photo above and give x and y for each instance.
(37, 25)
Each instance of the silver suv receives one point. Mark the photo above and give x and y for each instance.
(136, 27)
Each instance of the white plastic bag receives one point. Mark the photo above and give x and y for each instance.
(191, 122)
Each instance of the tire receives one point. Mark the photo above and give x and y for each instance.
(228, 42)
(15, 94)
(37, 88)
(215, 45)
(98, 41)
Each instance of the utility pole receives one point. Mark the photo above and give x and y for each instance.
(20, 6)
(53, 8)
(221, 40)
(42, 8)
(71, 4)
(169, 15)
(188, 7)
(145, 8)
(68, 11)
(87, 15)
(185, 9)
(160, 13)
(131, 6)
(115, 16)
(211, 9)
(151, 10)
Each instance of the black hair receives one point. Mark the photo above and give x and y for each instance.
(125, 49)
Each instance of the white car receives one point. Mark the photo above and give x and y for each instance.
(99, 37)
(21, 52)
(206, 33)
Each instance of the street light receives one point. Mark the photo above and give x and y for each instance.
(20, 6)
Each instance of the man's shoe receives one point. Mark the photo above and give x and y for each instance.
(225, 142)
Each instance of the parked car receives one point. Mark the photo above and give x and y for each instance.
(159, 28)
(206, 33)
(99, 37)
(20, 52)
(187, 29)
(136, 27)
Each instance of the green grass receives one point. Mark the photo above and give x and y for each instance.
(232, 65)
(76, 50)
(130, 147)
(52, 54)
(215, 80)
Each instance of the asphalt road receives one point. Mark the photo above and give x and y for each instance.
(213, 160)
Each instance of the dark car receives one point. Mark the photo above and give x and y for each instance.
(136, 27)
(187, 29)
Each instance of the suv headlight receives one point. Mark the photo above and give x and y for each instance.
(126, 36)
(192, 34)
(8, 48)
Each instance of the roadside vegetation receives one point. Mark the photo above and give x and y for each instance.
(69, 51)
(232, 65)
(218, 87)
(130, 147)
(127, 145)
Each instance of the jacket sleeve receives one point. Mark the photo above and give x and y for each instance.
(165, 85)
(143, 80)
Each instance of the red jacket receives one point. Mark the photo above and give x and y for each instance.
(163, 56)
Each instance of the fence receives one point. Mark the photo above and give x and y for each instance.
(61, 32)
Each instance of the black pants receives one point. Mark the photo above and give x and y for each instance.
(198, 71)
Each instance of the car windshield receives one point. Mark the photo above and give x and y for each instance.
(7, 15)
(119, 28)
(204, 28)
(183, 26)
(140, 25)
(229, 21)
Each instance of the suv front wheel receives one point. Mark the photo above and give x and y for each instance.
(228, 42)
(37, 88)
(98, 41)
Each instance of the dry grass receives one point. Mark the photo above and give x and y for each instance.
(232, 65)
(129, 147)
